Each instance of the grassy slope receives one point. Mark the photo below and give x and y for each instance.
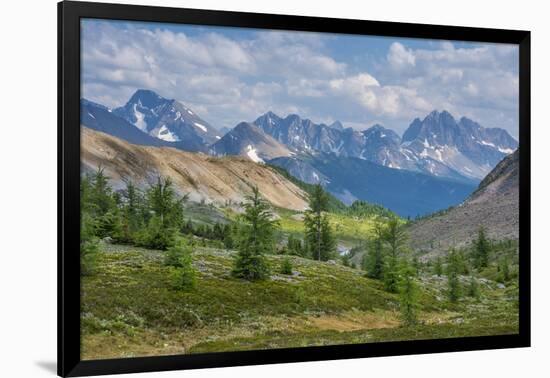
(346, 228)
(129, 309)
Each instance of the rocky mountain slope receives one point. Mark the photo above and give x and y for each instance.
(168, 120)
(248, 140)
(203, 177)
(494, 205)
(100, 118)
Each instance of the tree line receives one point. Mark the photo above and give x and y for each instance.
(154, 218)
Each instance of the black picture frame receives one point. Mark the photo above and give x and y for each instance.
(69, 15)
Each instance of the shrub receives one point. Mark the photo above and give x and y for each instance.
(286, 266)
(183, 278)
(176, 255)
(182, 273)
(88, 257)
(473, 288)
(156, 235)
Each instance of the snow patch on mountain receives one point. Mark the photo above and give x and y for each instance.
(253, 155)
(165, 134)
(140, 119)
(506, 150)
(202, 127)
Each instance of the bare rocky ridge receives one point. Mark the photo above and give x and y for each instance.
(494, 205)
(204, 177)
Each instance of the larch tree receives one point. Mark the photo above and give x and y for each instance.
(481, 249)
(374, 261)
(256, 238)
(318, 233)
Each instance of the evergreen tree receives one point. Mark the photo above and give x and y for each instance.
(504, 269)
(391, 274)
(453, 283)
(88, 245)
(286, 266)
(189, 227)
(318, 234)
(408, 295)
(294, 246)
(462, 263)
(86, 187)
(328, 241)
(182, 273)
(481, 250)
(256, 238)
(156, 235)
(365, 262)
(133, 209)
(101, 194)
(395, 236)
(174, 254)
(374, 259)
(111, 225)
(228, 236)
(438, 267)
(89, 214)
(100, 203)
(218, 232)
(166, 215)
(163, 202)
(345, 260)
(416, 264)
(473, 288)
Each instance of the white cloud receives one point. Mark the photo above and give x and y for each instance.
(228, 80)
(400, 57)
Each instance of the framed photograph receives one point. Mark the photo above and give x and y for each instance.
(239, 188)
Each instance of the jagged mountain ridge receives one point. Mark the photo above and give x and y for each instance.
(463, 146)
(168, 120)
(437, 145)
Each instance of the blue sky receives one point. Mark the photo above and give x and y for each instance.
(228, 75)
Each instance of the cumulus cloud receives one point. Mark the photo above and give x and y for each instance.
(400, 57)
(228, 78)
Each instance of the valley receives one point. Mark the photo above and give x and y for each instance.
(442, 158)
(285, 233)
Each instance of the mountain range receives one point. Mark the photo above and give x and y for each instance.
(435, 164)
(437, 145)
